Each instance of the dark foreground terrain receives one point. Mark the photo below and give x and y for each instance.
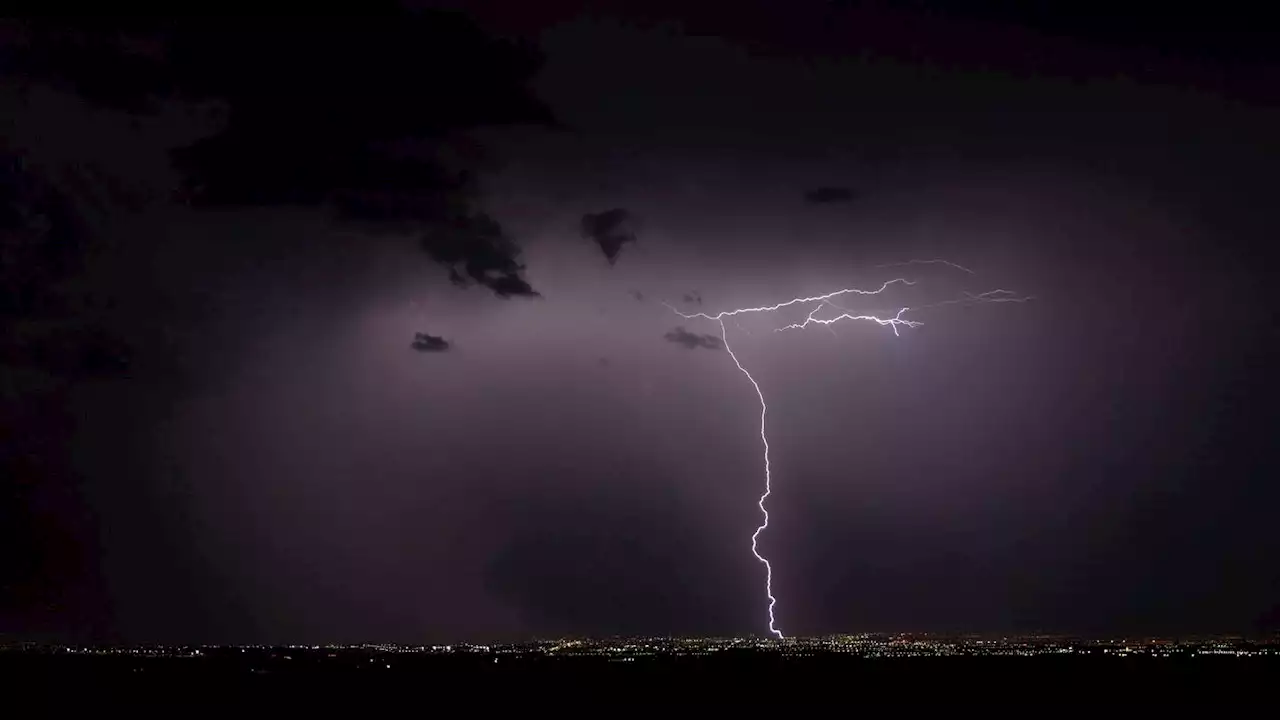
(254, 679)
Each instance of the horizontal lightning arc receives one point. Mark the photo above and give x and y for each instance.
(990, 296)
(928, 262)
(893, 322)
(793, 301)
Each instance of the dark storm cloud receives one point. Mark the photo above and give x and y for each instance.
(610, 230)
(359, 132)
(356, 118)
(43, 235)
(826, 195)
(639, 296)
(693, 298)
(693, 341)
(424, 342)
(476, 249)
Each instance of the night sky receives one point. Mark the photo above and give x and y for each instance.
(304, 431)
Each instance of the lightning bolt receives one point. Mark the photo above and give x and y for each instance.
(929, 262)
(768, 485)
(893, 321)
(823, 301)
(793, 301)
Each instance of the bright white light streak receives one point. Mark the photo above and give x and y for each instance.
(764, 407)
(825, 300)
(928, 262)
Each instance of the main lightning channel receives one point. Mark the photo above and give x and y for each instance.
(768, 484)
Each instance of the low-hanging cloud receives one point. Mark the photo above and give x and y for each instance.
(423, 342)
(692, 340)
(610, 230)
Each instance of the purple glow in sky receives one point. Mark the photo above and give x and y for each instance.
(587, 462)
